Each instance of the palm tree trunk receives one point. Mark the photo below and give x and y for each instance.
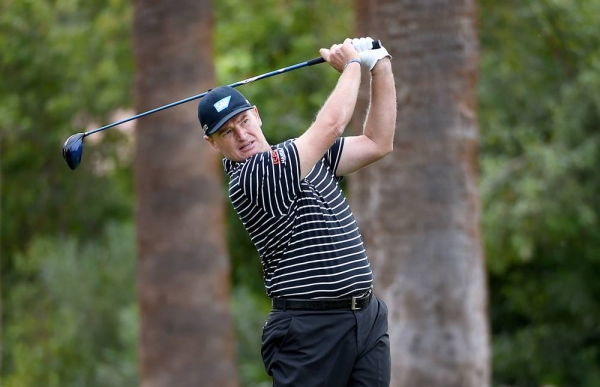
(186, 336)
(419, 208)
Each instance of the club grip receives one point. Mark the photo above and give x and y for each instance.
(314, 61)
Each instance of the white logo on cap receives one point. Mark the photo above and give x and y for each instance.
(222, 104)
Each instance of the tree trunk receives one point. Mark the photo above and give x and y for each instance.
(186, 336)
(418, 208)
(1, 298)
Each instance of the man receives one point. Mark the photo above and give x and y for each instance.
(326, 327)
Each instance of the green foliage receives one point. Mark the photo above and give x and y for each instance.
(540, 114)
(73, 321)
(66, 66)
(69, 311)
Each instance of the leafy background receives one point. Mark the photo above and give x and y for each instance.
(67, 245)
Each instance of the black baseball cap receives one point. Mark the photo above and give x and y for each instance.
(219, 106)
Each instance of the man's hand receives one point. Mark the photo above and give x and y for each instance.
(339, 54)
(369, 57)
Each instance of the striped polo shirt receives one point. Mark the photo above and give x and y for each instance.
(303, 229)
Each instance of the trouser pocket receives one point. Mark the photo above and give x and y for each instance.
(274, 333)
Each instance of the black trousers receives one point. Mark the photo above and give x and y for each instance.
(333, 348)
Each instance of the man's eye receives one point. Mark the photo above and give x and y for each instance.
(226, 132)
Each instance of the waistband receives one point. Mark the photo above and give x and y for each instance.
(352, 303)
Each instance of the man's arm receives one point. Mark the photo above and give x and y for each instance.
(377, 139)
(337, 110)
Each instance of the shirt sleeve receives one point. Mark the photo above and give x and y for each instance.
(333, 155)
(271, 180)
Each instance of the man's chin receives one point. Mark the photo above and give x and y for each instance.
(242, 156)
(249, 151)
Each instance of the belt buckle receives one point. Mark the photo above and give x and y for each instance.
(353, 305)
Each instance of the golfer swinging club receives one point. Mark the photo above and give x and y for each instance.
(326, 327)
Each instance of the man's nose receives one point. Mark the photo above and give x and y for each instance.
(240, 133)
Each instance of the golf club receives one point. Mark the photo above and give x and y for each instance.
(73, 147)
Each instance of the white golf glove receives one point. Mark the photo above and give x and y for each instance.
(369, 57)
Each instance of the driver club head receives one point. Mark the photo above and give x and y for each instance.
(73, 150)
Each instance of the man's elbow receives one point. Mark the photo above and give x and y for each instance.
(385, 145)
(386, 149)
(380, 151)
(334, 123)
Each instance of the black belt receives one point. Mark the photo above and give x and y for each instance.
(354, 303)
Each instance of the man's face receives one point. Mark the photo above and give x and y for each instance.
(241, 137)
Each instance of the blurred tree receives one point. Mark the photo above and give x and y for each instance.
(59, 78)
(65, 66)
(540, 113)
(76, 312)
(1, 303)
(186, 336)
(418, 208)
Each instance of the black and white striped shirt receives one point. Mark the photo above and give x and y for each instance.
(303, 229)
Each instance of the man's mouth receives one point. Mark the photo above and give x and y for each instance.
(246, 146)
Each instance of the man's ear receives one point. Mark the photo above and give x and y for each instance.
(212, 143)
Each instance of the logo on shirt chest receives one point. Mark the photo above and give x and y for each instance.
(278, 156)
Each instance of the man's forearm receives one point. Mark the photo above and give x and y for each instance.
(380, 124)
(339, 106)
(336, 111)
